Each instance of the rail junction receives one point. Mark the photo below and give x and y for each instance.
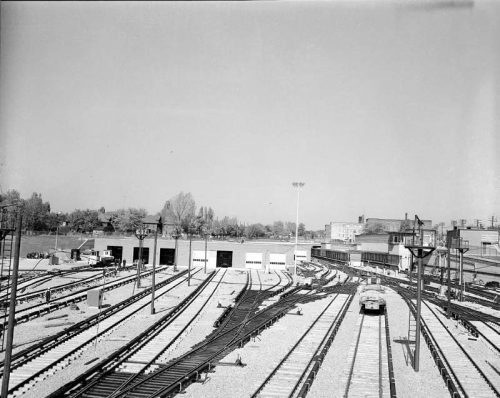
(159, 361)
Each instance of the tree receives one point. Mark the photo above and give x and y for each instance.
(290, 228)
(179, 210)
(9, 201)
(35, 213)
(278, 229)
(255, 231)
(83, 220)
(127, 220)
(54, 220)
(301, 229)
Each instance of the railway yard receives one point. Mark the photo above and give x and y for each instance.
(232, 332)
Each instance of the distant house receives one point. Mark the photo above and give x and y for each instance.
(344, 232)
(393, 225)
(105, 226)
(480, 242)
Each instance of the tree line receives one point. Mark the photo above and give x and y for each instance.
(180, 216)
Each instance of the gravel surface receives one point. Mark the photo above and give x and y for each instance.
(231, 285)
(116, 338)
(264, 352)
(259, 356)
(33, 331)
(479, 349)
(426, 383)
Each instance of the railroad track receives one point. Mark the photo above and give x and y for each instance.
(368, 372)
(291, 373)
(241, 325)
(151, 353)
(487, 297)
(36, 363)
(26, 297)
(38, 310)
(461, 374)
(471, 379)
(477, 323)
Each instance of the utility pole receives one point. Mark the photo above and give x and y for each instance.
(189, 264)
(159, 225)
(493, 221)
(448, 293)
(140, 233)
(12, 309)
(205, 263)
(297, 185)
(420, 251)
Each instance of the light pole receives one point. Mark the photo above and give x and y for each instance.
(57, 228)
(12, 304)
(189, 264)
(176, 237)
(297, 185)
(420, 251)
(205, 263)
(159, 226)
(140, 233)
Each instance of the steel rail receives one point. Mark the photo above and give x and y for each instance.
(462, 349)
(74, 297)
(392, 379)
(485, 301)
(447, 373)
(164, 348)
(31, 352)
(56, 289)
(316, 358)
(319, 358)
(200, 358)
(79, 346)
(351, 369)
(90, 377)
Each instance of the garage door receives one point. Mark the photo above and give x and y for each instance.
(253, 260)
(301, 255)
(277, 261)
(199, 258)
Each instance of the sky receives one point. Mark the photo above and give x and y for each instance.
(381, 108)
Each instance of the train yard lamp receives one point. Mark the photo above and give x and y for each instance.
(419, 251)
(140, 233)
(297, 185)
(158, 226)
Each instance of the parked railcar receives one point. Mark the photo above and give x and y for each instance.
(372, 297)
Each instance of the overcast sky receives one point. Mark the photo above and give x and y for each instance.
(379, 108)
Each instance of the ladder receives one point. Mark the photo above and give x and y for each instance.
(412, 328)
(6, 244)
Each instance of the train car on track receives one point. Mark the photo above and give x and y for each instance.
(372, 297)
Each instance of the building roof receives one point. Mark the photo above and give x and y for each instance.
(149, 219)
